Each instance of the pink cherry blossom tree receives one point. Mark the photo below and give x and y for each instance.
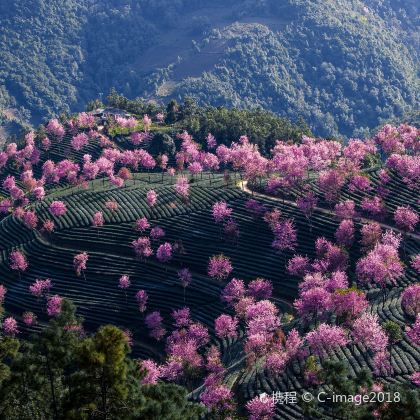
(413, 332)
(182, 187)
(326, 338)
(345, 233)
(348, 304)
(185, 278)
(79, 263)
(10, 326)
(261, 408)
(368, 332)
(152, 372)
(313, 303)
(40, 287)
(124, 283)
(371, 235)
(285, 235)
(298, 265)
(221, 211)
(98, 220)
(233, 292)
(54, 305)
(219, 267)
(141, 298)
(164, 252)
(142, 247)
(307, 205)
(226, 326)
(142, 224)
(406, 218)
(151, 197)
(381, 266)
(58, 208)
(29, 318)
(18, 262)
(260, 289)
(410, 299)
(154, 324)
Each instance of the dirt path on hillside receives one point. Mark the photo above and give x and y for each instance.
(244, 187)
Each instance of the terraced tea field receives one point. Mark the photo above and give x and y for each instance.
(194, 205)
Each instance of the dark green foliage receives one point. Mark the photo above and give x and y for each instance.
(167, 401)
(409, 406)
(393, 331)
(58, 374)
(227, 125)
(340, 78)
(336, 380)
(94, 104)
(8, 350)
(101, 382)
(162, 143)
(37, 383)
(172, 112)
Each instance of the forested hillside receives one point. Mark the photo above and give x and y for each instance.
(344, 66)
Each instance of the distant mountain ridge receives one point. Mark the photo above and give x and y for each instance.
(344, 66)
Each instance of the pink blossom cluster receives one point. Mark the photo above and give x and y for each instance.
(112, 205)
(157, 233)
(10, 326)
(85, 120)
(410, 299)
(285, 235)
(3, 291)
(129, 123)
(152, 372)
(141, 298)
(40, 287)
(55, 128)
(219, 267)
(79, 141)
(413, 332)
(182, 187)
(164, 252)
(142, 224)
(211, 141)
(261, 408)
(54, 305)
(124, 282)
(325, 338)
(368, 332)
(18, 261)
(142, 247)
(226, 326)
(381, 266)
(98, 219)
(58, 208)
(155, 325)
(406, 218)
(398, 140)
(151, 198)
(80, 262)
(29, 318)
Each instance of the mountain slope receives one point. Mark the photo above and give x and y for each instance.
(339, 64)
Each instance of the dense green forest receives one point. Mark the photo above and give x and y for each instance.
(59, 372)
(262, 127)
(344, 66)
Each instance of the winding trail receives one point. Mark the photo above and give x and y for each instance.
(243, 185)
